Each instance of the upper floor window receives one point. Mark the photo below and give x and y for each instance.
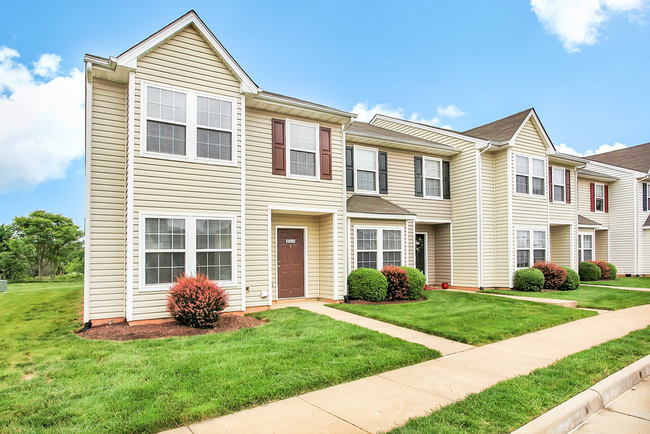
(185, 124)
(599, 197)
(302, 141)
(558, 184)
(432, 178)
(366, 164)
(531, 247)
(646, 196)
(530, 175)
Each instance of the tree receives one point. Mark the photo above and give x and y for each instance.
(12, 264)
(52, 237)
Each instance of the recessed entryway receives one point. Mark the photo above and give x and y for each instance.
(421, 252)
(291, 262)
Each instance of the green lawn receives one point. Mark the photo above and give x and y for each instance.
(513, 403)
(78, 385)
(470, 318)
(591, 297)
(628, 282)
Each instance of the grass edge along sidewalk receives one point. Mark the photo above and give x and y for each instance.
(52, 380)
(513, 403)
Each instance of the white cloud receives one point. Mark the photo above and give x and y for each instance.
(365, 113)
(604, 148)
(577, 22)
(43, 122)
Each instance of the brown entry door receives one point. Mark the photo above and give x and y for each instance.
(291, 263)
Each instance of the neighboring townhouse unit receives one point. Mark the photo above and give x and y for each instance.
(615, 209)
(191, 167)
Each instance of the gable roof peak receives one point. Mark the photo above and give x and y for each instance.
(502, 129)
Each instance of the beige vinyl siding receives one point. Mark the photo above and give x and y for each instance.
(312, 240)
(430, 266)
(168, 186)
(601, 245)
(463, 197)
(443, 259)
(326, 227)
(263, 189)
(565, 212)
(107, 201)
(646, 244)
(560, 237)
(401, 185)
(584, 207)
(488, 218)
(405, 225)
(500, 254)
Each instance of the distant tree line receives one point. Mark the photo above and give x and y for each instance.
(41, 244)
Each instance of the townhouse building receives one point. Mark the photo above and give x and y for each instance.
(192, 167)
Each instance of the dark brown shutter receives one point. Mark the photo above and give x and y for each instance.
(606, 188)
(279, 154)
(550, 184)
(567, 189)
(592, 196)
(419, 187)
(645, 196)
(349, 168)
(325, 153)
(446, 185)
(383, 172)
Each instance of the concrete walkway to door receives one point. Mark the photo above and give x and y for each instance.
(383, 401)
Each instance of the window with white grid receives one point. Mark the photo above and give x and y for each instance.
(432, 178)
(214, 249)
(214, 120)
(366, 164)
(302, 142)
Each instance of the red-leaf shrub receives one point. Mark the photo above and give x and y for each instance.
(398, 283)
(605, 270)
(196, 301)
(554, 275)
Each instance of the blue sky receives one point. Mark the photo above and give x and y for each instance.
(459, 64)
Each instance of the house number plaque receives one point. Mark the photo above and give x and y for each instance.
(290, 241)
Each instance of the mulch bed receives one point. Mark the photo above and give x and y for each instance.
(124, 332)
(387, 302)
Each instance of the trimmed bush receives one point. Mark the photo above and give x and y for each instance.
(196, 301)
(529, 279)
(367, 284)
(398, 282)
(416, 283)
(554, 275)
(588, 271)
(607, 270)
(613, 272)
(572, 280)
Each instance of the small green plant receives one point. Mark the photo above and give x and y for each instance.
(367, 284)
(572, 280)
(196, 301)
(554, 275)
(416, 283)
(589, 272)
(528, 279)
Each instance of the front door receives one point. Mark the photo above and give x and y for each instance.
(420, 252)
(291, 263)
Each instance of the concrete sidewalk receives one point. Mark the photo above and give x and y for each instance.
(383, 401)
(620, 287)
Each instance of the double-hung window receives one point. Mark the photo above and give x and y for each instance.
(585, 247)
(214, 119)
(432, 178)
(166, 121)
(366, 163)
(531, 247)
(214, 249)
(302, 139)
(559, 183)
(377, 247)
(530, 175)
(599, 197)
(164, 245)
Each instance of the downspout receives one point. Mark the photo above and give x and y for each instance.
(89, 104)
(479, 201)
(636, 223)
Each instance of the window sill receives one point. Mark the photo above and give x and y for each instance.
(170, 157)
(165, 287)
(303, 178)
(433, 198)
(531, 196)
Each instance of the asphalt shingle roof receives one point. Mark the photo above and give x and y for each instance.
(635, 157)
(361, 203)
(371, 131)
(501, 130)
(585, 221)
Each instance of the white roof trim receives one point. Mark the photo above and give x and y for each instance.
(364, 215)
(430, 128)
(129, 58)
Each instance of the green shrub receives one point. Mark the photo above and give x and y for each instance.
(554, 275)
(605, 271)
(589, 272)
(367, 284)
(529, 279)
(416, 283)
(196, 301)
(398, 282)
(572, 280)
(612, 271)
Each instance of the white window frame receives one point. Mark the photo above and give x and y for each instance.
(356, 169)
(530, 176)
(531, 248)
(563, 185)
(596, 185)
(380, 244)
(190, 246)
(287, 132)
(191, 125)
(424, 178)
(648, 198)
(581, 246)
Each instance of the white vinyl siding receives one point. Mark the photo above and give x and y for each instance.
(366, 168)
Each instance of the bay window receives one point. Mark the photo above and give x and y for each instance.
(377, 247)
(530, 247)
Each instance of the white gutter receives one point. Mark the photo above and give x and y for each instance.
(479, 200)
(242, 238)
(129, 199)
